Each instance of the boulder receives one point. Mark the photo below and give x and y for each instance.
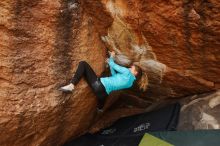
(200, 112)
(176, 43)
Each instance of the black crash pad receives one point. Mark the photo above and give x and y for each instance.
(128, 131)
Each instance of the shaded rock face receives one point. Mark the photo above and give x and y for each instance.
(178, 43)
(175, 42)
(200, 112)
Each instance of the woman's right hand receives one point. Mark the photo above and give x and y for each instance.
(107, 60)
(112, 53)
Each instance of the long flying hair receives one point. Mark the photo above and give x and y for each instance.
(142, 78)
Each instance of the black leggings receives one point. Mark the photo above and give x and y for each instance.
(92, 79)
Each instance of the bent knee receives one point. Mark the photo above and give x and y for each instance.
(83, 62)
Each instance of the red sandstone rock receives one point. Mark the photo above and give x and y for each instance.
(42, 42)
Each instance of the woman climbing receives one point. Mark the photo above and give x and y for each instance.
(121, 78)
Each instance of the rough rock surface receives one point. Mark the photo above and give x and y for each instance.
(200, 112)
(42, 41)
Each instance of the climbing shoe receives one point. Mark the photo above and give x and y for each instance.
(99, 110)
(67, 88)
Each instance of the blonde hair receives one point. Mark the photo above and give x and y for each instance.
(142, 78)
(143, 82)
